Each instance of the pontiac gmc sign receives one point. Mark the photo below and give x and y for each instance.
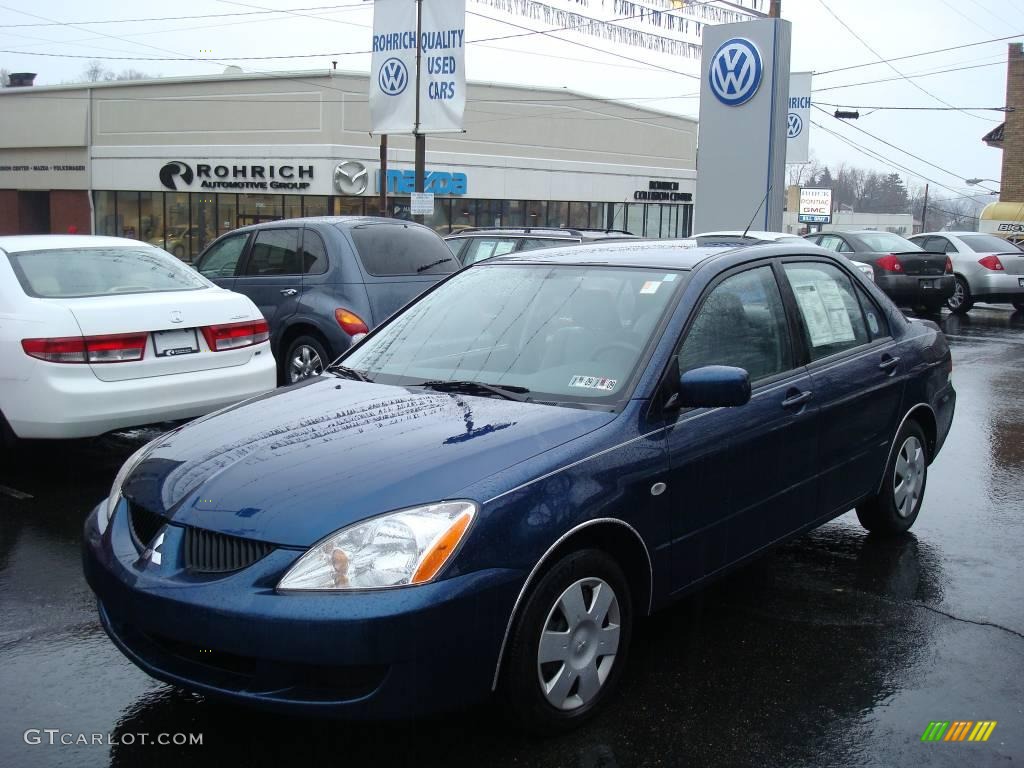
(815, 206)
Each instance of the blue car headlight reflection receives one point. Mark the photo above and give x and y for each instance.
(402, 548)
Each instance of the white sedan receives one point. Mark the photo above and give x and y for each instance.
(104, 333)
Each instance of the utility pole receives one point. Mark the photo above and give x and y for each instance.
(421, 140)
(383, 181)
(775, 9)
(924, 209)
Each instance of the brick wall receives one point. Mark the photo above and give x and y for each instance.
(9, 212)
(70, 207)
(1012, 183)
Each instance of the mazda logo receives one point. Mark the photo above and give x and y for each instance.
(172, 169)
(393, 77)
(351, 178)
(735, 72)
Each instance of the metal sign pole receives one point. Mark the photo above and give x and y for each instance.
(383, 181)
(421, 140)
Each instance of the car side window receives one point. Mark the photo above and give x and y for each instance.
(485, 247)
(742, 323)
(829, 307)
(878, 326)
(275, 252)
(314, 253)
(532, 243)
(222, 258)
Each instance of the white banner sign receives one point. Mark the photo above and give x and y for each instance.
(798, 121)
(421, 204)
(393, 67)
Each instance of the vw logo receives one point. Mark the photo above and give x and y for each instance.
(176, 316)
(172, 169)
(351, 178)
(393, 77)
(794, 126)
(735, 72)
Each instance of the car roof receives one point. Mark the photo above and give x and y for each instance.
(326, 220)
(655, 254)
(18, 243)
(753, 234)
(954, 232)
(562, 233)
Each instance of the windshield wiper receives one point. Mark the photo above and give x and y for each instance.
(508, 391)
(348, 373)
(425, 267)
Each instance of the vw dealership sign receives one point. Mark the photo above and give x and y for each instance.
(798, 118)
(735, 72)
(442, 80)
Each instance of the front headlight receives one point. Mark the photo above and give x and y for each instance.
(103, 519)
(401, 548)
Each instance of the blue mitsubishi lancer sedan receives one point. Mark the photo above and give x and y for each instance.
(485, 494)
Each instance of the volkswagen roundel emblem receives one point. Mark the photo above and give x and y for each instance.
(351, 178)
(176, 316)
(393, 77)
(794, 126)
(173, 169)
(735, 72)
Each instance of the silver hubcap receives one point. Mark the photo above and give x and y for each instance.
(958, 295)
(908, 479)
(578, 644)
(305, 363)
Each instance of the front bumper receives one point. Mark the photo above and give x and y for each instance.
(997, 287)
(911, 290)
(369, 654)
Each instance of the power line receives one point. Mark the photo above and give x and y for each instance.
(917, 109)
(922, 53)
(888, 63)
(923, 74)
(183, 18)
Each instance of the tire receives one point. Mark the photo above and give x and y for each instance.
(890, 513)
(930, 308)
(961, 301)
(1019, 306)
(8, 440)
(306, 357)
(529, 687)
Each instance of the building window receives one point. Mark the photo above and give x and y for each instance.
(463, 214)
(227, 213)
(128, 214)
(254, 209)
(350, 206)
(599, 216)
(314, 205)
(151, 217)
(204, 224)
(106, 213)
(635, 218)
(292, 206)
(536, 213)
(558, 215)
(488, 214)
(617, 220)
(513, 214)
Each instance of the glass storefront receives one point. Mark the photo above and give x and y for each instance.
(185, 223)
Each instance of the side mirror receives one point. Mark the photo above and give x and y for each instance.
(713, 386)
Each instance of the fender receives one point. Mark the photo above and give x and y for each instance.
(892, 447)
(544, 558)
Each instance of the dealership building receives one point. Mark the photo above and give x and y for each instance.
(179, 161)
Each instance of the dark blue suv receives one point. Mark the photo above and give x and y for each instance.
(324, 282)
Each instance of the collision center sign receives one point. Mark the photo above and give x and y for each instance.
(815, 206)
(442, 77)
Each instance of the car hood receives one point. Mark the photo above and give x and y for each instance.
(292, 466)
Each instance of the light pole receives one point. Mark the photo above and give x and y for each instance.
(976, 182)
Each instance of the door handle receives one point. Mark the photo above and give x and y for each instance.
(888, 363)
(794, 401)
(289, 292)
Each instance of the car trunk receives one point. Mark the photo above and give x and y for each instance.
(921, 263)
(180, 311)
(1013, 262)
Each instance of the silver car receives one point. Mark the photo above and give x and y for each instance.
(987, 268)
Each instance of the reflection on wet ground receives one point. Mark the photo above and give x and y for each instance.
(836, 649)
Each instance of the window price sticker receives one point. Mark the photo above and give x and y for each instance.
(593, 382)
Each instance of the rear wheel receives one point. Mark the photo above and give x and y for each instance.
(8, 440)
(306, 357)
(960, 302)
(570, 643)
(895, 508)
(931, 307)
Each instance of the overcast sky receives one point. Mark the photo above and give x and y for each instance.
(948, 139)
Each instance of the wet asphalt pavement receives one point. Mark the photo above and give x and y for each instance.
(834, 650)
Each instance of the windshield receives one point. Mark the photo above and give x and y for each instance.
(886, 242)
(79, 272)
(564, 333)
(986, 243)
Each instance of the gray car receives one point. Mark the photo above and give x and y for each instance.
(908, 274)
(987, 268)
(322, 283)
(476, 244)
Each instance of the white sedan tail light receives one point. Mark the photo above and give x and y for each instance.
(109, 348)
(220, 338)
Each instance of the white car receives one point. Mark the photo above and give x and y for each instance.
(987, 268)
(737, 237)
(104, 333)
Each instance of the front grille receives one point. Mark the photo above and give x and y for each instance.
(144, 524)
(210, 552)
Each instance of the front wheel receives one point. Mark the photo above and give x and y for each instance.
(895, 508)
(570, 644)
(961, 301)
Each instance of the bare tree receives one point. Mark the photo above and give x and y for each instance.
(93, 73)
(96, 72)
(5, 77)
